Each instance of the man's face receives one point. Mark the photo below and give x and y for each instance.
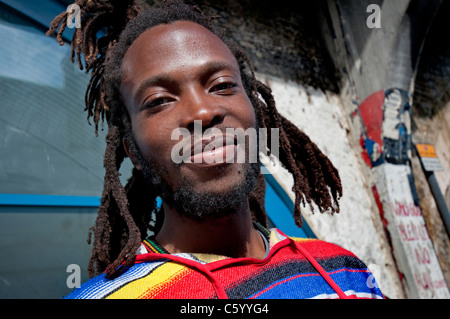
(176, 74)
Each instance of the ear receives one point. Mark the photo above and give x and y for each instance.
(131, 155)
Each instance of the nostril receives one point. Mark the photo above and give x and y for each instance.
(190, 127)
(216, 120)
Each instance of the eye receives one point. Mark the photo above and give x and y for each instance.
(224, 88)
(152, 103)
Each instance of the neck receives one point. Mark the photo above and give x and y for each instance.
(233, 235)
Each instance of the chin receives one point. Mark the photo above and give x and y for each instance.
(215, 198)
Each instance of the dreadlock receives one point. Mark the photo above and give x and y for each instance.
(127, 213)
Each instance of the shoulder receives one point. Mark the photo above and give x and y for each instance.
(316, 247)
(320, 248)
(324, 252)
(349, 272)
(329, 255)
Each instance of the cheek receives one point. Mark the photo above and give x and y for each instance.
(152, 139)
(246, 113)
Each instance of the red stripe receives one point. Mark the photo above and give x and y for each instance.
(347, 269)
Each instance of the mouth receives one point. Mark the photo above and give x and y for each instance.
(213, 150)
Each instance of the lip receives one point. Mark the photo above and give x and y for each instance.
(212, 150)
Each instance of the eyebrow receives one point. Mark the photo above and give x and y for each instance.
(165, 78)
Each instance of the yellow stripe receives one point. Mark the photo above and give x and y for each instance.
(153, 283)
(302, 239)
(208, 258)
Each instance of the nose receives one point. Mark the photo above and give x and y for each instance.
(200, 106)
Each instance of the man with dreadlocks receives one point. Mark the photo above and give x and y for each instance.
(161, 69)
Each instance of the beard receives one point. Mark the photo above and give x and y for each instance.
(198, 205)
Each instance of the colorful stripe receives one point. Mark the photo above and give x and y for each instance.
(153, 246)
(158, 279)
(100, 287)
(294, 268)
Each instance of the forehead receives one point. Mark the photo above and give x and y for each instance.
(178, 45)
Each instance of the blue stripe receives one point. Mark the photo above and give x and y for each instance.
(306, 286)
(312, 285)
(48, 200)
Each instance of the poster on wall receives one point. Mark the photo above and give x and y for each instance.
(413, 247)
(387, 126)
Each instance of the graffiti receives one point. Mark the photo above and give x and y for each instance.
(412, 232)
(422, 255)
(386, 123)
(406, 209)
(406, 225)
(396, 125)
(425, 282)
(371, 113)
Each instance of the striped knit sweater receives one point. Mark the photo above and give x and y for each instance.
(293, 268)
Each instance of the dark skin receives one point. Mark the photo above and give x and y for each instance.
(175, 74)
